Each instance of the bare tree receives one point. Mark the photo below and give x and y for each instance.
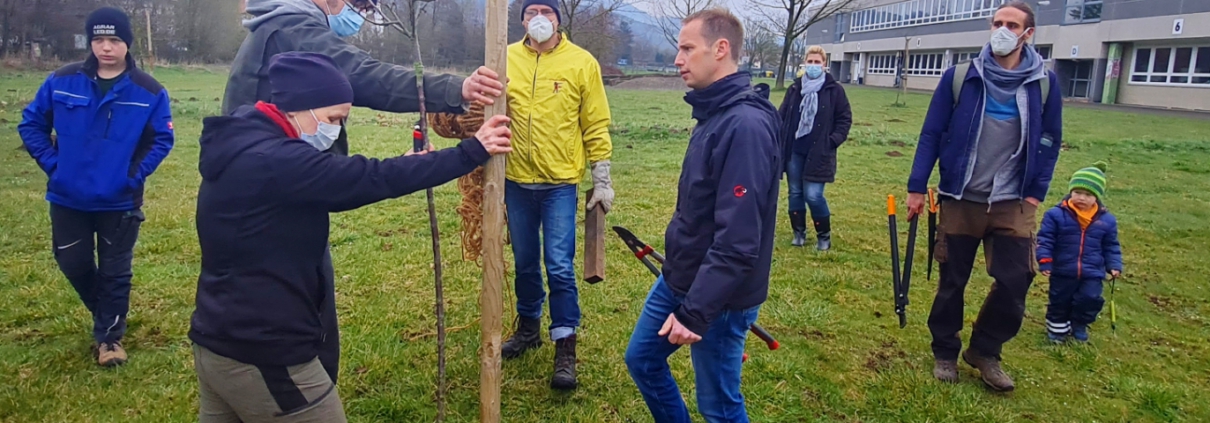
(577, 13)
(670, 13)
(760, 44)
(791, 18)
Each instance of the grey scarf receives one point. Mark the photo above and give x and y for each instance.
(1002, 83)
(810, 104)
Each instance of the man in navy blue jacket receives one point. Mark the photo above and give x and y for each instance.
(262, 219)
(720, 240)
(112, 127)
(996, 148)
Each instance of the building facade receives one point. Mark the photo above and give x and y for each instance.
(1153, 53)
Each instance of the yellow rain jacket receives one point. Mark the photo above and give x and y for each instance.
(560, 116)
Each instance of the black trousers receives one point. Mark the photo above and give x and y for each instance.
(1006, 231)
(102, 281)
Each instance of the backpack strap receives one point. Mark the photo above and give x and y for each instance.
(961, 69)
(1045, 88)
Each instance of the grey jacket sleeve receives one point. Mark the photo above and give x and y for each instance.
(376, 85)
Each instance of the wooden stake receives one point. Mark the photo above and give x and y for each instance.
(150, 48)
(491, 299)
(594, 243)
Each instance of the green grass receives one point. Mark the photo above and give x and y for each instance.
(843, 358)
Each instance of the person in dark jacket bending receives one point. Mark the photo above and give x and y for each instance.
(720, 239)
(319, 26)
(262, 221)
(815, 118)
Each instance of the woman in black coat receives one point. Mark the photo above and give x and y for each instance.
(815, 119)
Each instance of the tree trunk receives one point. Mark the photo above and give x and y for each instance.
(785, 58)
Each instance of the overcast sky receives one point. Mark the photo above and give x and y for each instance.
(739, 7)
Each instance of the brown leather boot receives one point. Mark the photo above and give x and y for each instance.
(989, 370)
(945, 370)
(110, 354)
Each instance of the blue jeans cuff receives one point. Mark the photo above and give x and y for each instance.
(560, 333)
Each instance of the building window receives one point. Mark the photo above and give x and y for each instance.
(883, 64)
(926, 64)
(1082, 11)
(965, 56)
(1043, 51)
(1181, 66)
(926, 12)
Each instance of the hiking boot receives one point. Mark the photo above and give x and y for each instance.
(1079, 332)
(1056, 338)
(945, 370)
(989, 371)
(798, 222)
(565, 364)
(110, 354)
(527, 337)
(823, 230)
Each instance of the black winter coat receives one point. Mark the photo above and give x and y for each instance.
(262, 222)
(832, 123)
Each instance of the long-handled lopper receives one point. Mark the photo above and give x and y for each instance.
(894, 233)
(933, 208)
(644, 253)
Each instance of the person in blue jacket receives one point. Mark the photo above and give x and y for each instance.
(720, 240)
(99, 128)
(996, 148)
(1077, 248)
(261, 325)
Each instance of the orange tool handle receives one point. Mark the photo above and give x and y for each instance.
(933, 206)
(890, 205)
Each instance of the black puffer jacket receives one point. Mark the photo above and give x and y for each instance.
(832, 123)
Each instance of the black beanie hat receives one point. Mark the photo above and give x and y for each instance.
(109, 21)
(553, 4)
(305, 81)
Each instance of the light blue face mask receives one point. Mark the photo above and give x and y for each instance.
(346, 23)
(325, 134)
(814, 71)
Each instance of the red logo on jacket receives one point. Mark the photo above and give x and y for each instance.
(740, 190)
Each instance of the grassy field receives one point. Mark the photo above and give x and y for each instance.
(843, 357)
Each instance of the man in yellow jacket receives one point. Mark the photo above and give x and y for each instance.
(560, 122)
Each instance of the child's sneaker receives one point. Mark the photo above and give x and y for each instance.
(1080, 333)
(1056, 338)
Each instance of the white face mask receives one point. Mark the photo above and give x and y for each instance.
(541, 28)
(1004, 41)
(325, 135)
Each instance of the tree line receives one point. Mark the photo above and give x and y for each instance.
(451, 32)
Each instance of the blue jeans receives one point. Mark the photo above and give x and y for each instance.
(542, 224)
(717, 360)
(798, 187)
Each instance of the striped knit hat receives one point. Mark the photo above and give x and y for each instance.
(1091, 179)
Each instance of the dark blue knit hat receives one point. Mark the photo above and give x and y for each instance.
(553, 4)
(109, 21)
(305, 81)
